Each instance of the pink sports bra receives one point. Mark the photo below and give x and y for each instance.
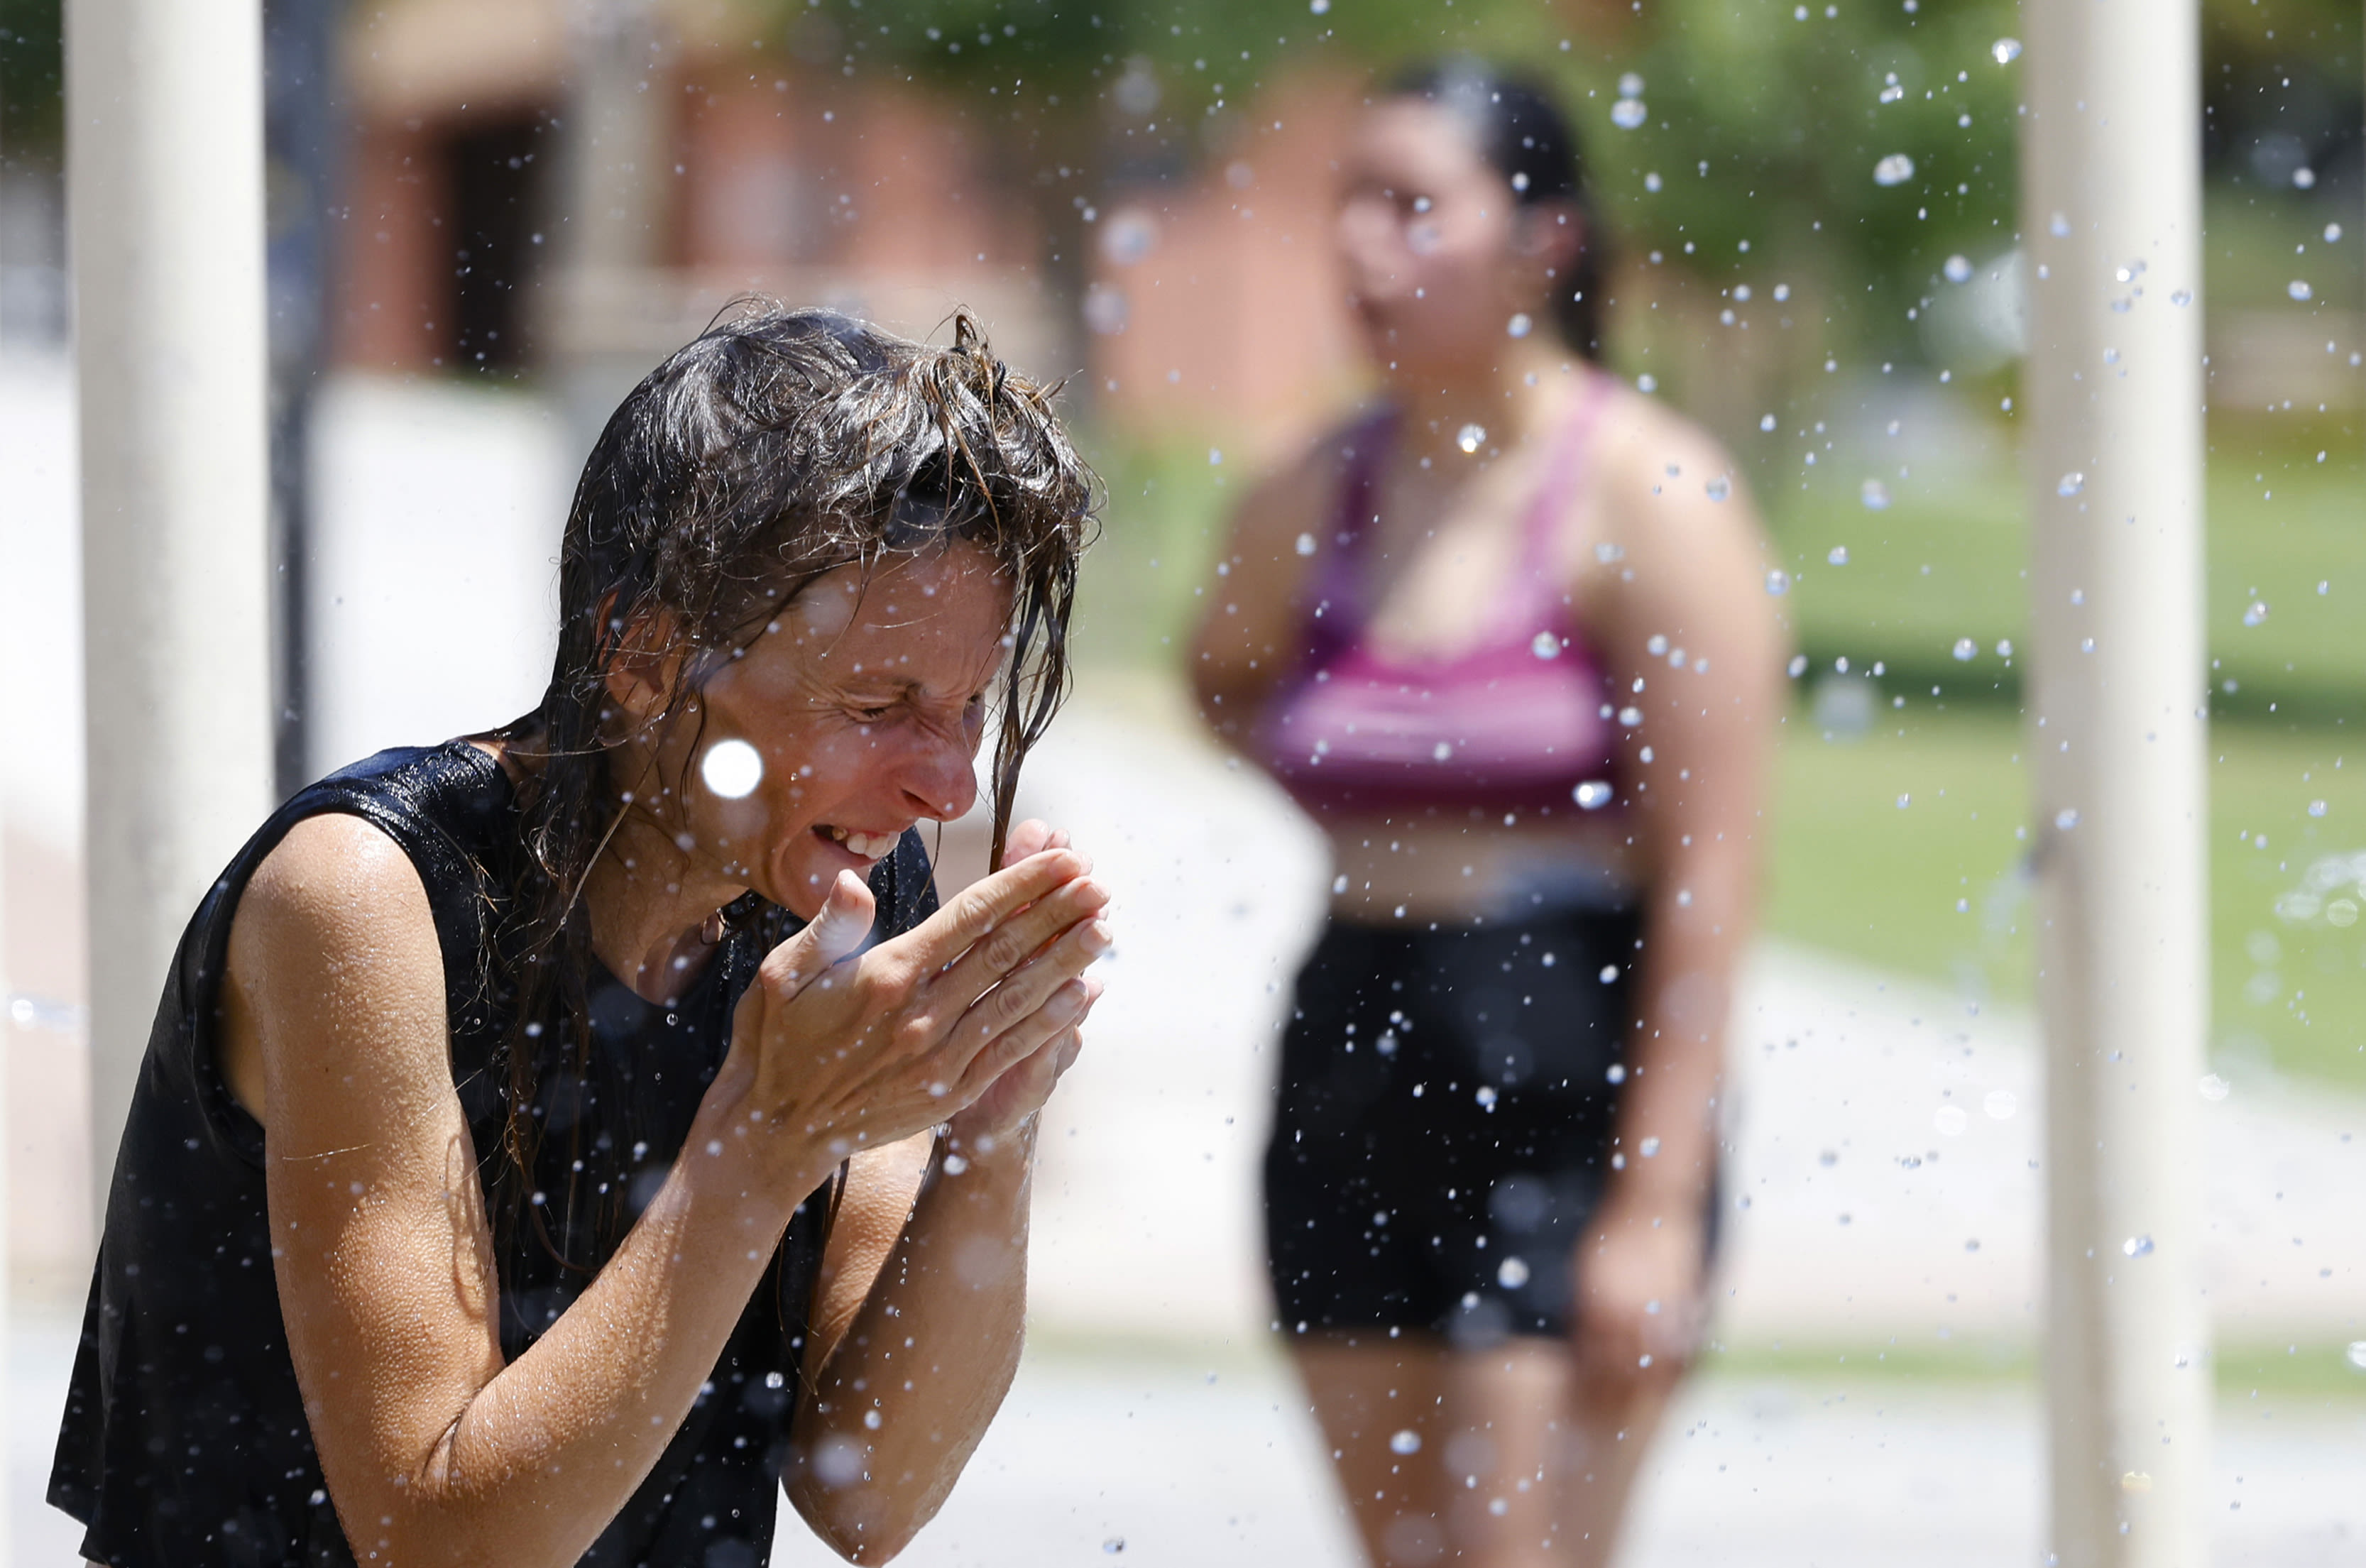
(1524, 721)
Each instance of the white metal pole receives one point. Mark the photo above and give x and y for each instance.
(2111, 216)
(164, 198)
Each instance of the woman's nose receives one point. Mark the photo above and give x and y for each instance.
(941, 779)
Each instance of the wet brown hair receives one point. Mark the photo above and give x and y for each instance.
(777, 446)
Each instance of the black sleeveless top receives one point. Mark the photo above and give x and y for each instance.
(185, 1440)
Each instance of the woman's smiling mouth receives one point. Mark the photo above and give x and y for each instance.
(869, 846)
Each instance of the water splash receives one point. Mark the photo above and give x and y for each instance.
(1967, 650)
(1628, 113)
(1471, 437)
(732, 769)
(2005, 51)
(1894, 170)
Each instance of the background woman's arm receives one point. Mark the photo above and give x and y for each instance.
(1250, 615)
(1693, 573)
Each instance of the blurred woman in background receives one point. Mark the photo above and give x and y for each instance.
(1504, 636)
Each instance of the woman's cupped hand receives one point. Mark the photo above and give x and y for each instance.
(970, 1017)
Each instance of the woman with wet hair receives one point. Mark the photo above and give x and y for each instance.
(1504, 637)
(552, 1142)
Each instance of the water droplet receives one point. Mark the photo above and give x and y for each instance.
(2004, 647)
(2000, 1103)
(1116, 1543)
(1629, 113)
(1950, 1120)
(1719, 488)
(1875, 494)
(1967, 650)
(2070, 484)
(1958, 269)
(1630, 86)
(2180, 297)
(1441, 751)
(1630, 716)
(1894, 170)
(1339, 883)
(2316, 808)
(1592, 795)
(2342, 912)
(1471, 437)
(1546, 646)
(2137, 1246)
(2332, 232)
(2297, 288)
(2058, 226)
(1215, 456)
(2304, 178)
(1318, 6)
(1798, 665)
(1766, 422)
(732, 769)
(1610, 973)
(2256, 613)
(1405, 1441)
(1839, 556)
(1649, 1146)
(1618, 1073)
(2356, 1354)
(2066, 818)
(1904, 801)
(2212, 1087)
(1512, 1273)
(1485, 1096)
(1519, 325)
(1779, 582)
(2005, 51)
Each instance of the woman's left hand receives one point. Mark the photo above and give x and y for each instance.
(1640, 1306)
(1014, 1098)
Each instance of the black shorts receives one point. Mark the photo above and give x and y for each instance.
(1447, 1102)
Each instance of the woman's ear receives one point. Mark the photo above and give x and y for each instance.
(644, 665)
(1550, 234)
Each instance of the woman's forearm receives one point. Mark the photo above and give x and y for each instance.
(555, 1443)
(1676, 1059)
(908, 1393)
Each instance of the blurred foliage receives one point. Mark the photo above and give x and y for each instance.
(32, 77)
(1762, 122)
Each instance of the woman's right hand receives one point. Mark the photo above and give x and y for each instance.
(828, 1056)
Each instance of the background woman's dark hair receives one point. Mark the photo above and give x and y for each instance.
(1521, 132)
(778, 446)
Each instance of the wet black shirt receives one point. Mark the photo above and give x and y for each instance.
(185, 1440)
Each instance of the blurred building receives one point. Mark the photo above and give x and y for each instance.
(469, 241)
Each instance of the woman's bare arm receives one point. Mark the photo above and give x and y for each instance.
(1251, 611)
(922, 1304)
(433, 1448)
(1692, 572)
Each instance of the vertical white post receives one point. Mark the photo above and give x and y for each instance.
(164, 199)
(2111, 216)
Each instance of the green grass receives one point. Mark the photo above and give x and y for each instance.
(2291, 1376)
(1947, 560)
(1854, 873)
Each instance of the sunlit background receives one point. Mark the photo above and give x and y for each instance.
(1813, 214)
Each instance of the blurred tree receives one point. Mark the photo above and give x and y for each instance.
(32, 79)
